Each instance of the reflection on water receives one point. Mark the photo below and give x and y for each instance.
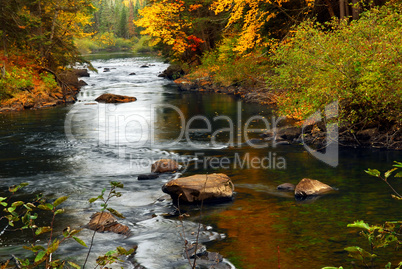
(117, 142)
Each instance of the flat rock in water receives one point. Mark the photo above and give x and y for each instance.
(106, 222)
(114, 98)
(197, 188)
(164, 166)
(308, 187)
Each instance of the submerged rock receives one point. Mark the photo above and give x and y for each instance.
(204, 258)
(197, 188)
(114, 98)
(106, 222)
(286, 187)
(164, 166)
(309, 187)
(148, 176)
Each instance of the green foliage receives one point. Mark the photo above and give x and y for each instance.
(113, 256)
(103, 42)
(105, 200)
(21, 216)
(227, 69)
(15, 80)
(357, 63)
(49, 80)
(377, 236)
(387, 174)
(142, 46)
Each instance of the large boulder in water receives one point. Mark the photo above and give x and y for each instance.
(197, 188)
(106, 222)
(310, 187)
(164, 166)
(114, 98)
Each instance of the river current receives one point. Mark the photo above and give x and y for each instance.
(76, 150)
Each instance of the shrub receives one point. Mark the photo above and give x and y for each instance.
(359, 64)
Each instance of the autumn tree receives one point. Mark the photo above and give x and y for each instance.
(185, 29)
(45, 28)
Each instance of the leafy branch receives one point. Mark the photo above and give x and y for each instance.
(376, 173)
(111, 256)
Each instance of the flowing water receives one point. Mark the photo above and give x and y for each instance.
(78, 149)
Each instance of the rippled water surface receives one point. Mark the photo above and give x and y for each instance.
(78, 149)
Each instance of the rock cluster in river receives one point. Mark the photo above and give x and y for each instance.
(306, 188)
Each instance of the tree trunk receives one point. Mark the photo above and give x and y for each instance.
(330, 9)
(355, 10)
(342, 9)
(347, 8)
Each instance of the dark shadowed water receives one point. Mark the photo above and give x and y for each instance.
(78, 149)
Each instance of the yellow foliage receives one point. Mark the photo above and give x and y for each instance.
(252, 16)
(164, 22)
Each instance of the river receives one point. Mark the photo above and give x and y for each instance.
(76, 150)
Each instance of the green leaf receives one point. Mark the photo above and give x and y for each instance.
(359, 224)
(54, 246)
(2, 198)
(74, 265)
(373, 172)
(17, 204)
(16, 188)
(398, 164)
(388, 265)
(80, 241)
(93, 199)
(359, 253)
(74, 232)
(11, 209)
(60, 200)
(59, 211)
(50, 206)
(3, 204)
(35, 248)
(117, 184)
(110, 252)
(388, 173)
(40, 257)
(42, 230)
(115, 212)
(43, 207)
(399, 174)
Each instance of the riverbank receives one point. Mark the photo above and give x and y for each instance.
(44, 89)
(370, 136)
